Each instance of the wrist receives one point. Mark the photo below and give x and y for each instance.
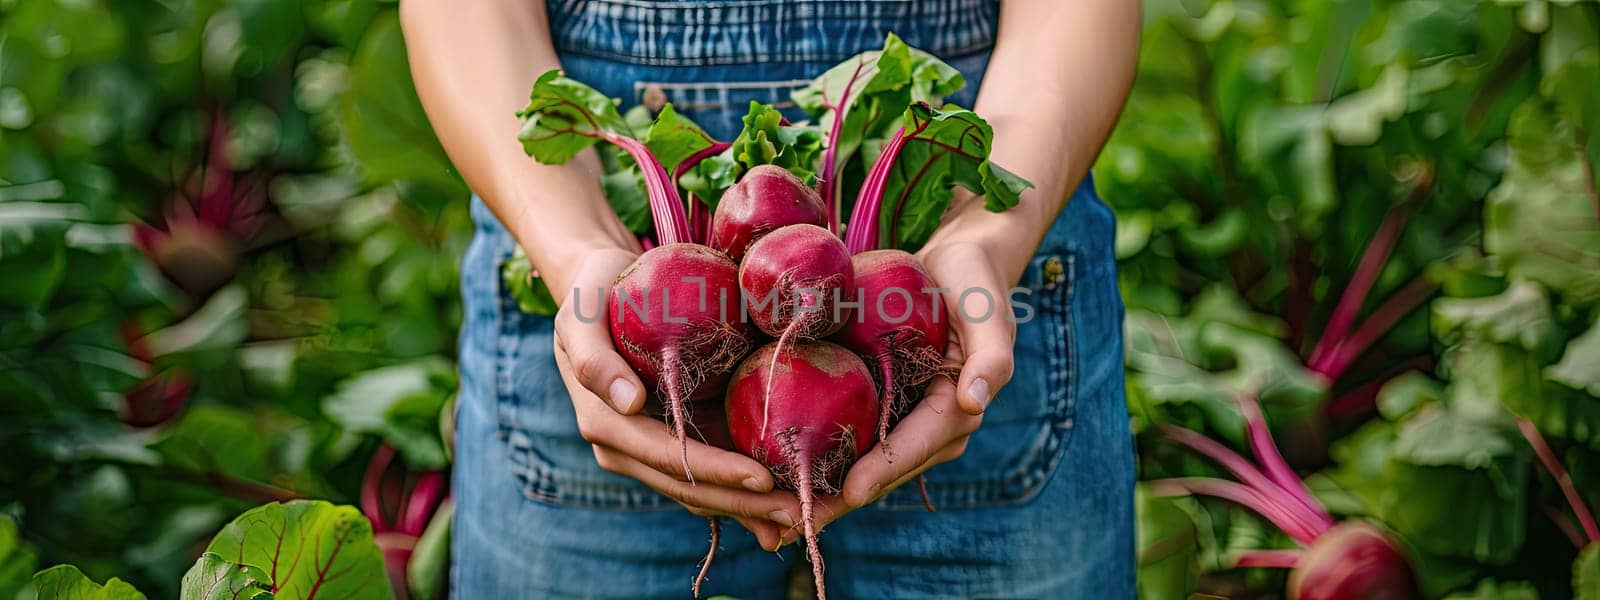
(1008, 239)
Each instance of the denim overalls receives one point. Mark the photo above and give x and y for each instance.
(1040, 506)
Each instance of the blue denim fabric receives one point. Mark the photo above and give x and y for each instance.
(1040, 506)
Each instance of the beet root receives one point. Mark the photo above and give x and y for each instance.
(1353, 560)
(820, 410)
(767, 197)
(674, 319)
(901, 328)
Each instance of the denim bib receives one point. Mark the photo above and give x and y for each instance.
(1040, 504)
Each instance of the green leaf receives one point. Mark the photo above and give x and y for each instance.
(1577, 369)
(214, 578)
(1586, 573)
(672, 138)
(943, 149)
(625, 194)
(1520, 316)
(66, 582)
(1541, 221)
(428, 571)
(876, 87)
(17, 559)
(564, 116)
(400, 403)
(33, 258)
(382, 119)
(764, 140)
(529, 290)
(1169, 565)
(1457, 488)
(308, 545)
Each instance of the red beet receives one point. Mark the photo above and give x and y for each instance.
(767, 197)
(819, 417)
(900, 329)
(674, 317)
(793, 280)
(1352, 561)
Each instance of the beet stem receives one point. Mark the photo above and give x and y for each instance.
(1564, 480)
(807, 500)
(666, 206)
(1397, 306)
(1373, 257)
(705, 565)
(1272, 462)
(1277, 559)
(863, 232)
(671, 376)
(1239, 494)
(424, 498)
(371, 483)
(830, 184)
(1247, 473)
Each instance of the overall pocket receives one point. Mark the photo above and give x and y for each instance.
(1024, 432)
(544, 451)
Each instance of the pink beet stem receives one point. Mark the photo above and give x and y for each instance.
(1249, 474)
(666, 206)
(1276, 559)
(863, 232)
(1346, 351)
(802, 464)
(1272, 462)
(1562, 523)
(830, 183)
(424, 498)
(371, 504)
(1553, 465)
(1372, 261)
(699, 213)
(1239, 494)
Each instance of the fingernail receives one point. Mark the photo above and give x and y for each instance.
(781, 517)
(753, 484)
(980, 392)
(622, 392)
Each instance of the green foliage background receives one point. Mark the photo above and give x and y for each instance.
(1265, 145)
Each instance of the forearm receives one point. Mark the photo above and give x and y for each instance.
(473, 64)
(1056, 82)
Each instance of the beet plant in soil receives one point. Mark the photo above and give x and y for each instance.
(1352, 560)
(669, 311)
(806, 412)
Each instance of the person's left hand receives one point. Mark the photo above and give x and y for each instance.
(936, 430)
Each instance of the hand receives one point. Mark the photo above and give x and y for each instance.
(937, 429)
(607, 397)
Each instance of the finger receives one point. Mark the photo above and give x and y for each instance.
(768, 536)
(928, 429)
(833, 508)
(649, 442)
(981, 313)
(583, 334)
(779, 507)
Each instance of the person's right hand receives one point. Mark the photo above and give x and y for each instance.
(608, 397)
